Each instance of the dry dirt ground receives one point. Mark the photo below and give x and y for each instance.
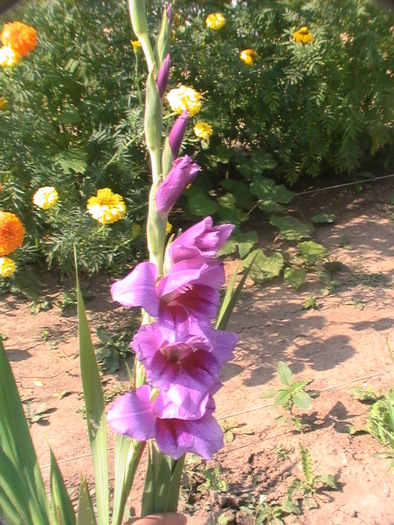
(341, 345)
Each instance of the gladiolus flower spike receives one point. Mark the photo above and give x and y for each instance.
(181, 352)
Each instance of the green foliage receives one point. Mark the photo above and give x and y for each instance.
(73, 122)
(291, 394)
(74, 115)
(307, 489)
(112, 348)
(265, 513)
(380, 422)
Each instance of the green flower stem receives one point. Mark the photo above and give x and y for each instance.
(140, 26)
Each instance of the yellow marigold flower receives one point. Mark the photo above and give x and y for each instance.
(3, 103)
(7, 267)
(45, 197)
(12, 232)
(247, 56)
(203, 130)
(8, 57)
(215, 21)
(184, 99)
(106, 207)
(21, 38)
(136, 45)
(168, 228)
(303, 35)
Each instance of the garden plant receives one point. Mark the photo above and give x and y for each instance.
(179, 353)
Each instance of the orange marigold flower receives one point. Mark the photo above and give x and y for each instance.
(12, 232)
(21, 38)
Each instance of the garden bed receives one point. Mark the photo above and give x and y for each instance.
(340, 345)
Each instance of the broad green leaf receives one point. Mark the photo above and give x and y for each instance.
(22, 470)
(282, 398)
(74, 159)
(291, 229)
(310, 502)
(95, 410)
(61, 503)
(128, 453)
(328, 480)
(229, 248)
(284, 374)
(302, 400)
(229, 210)
(294, 277)
(323, 218)
(240, 191)
(13, 491)
(246, 242)
(300, 384)
(312, 252)
(290, 507)
(200, 205)
(265, 268)
(85, 507)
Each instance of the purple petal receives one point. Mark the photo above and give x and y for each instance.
(162, 77)
(169, 14)
(224, 344)
(132, 415)
(201, 240)
(180, 403)
(200, 302)
(183, 172)
(138, 288)
(176, 437)
(183, 275)
(177, 133)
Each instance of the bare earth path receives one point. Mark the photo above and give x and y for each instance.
(341, 345)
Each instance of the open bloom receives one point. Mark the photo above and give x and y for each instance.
(184, 362)
(201, 240)
(106, 207)
(184, 99)
(303, 35)
(135, 416)
(247, 56)
(7, 267)
(8, 57)
(19, 37)
(203, 130)
(12, 232)
(45, 197)
(183, 173)
(189, 289)
(177, 133)
(215, 21)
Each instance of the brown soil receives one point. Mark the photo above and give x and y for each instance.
(341, 345)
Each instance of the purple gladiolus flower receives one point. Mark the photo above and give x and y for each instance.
(201, 240)
(177, 133)
(190, 289)
(135, 416)
(162, 77)
(183, 173)
(184, 363)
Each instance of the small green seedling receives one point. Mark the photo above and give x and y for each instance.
(37, 414)
(291, 394)
(268, 514)
(213, 481)
(307, 489)
(112, 348)
(45, 334)
(283, 453)
(311, 303)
